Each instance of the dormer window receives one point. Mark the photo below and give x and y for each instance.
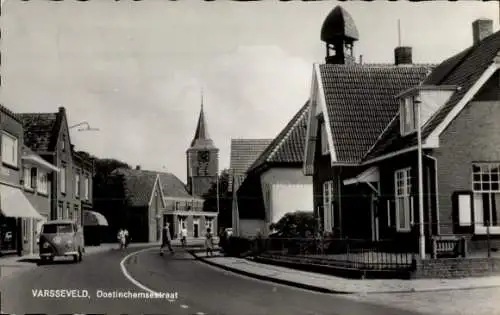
(408, 115)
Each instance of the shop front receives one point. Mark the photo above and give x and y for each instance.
(18, 220)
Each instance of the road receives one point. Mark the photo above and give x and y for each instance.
(201, 289)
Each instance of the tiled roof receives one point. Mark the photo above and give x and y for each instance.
(289, 145)
(462, 70)
(243, 153)
(10, 113)
(137, 185)
(361, 102)
(39, 130)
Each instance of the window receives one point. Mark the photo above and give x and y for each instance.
(63, 143)
(486, 188)
(177, 205)
(33, 177)
(26, 229)
(327, 205)
(63, 179)
(9, 149)
(402, 184)
(86, 188)
(59, 211)
(408, 116)
(77, 185)
(27, 177)
(42, 184)
(182, 223)
(68, 210)
(324, 140)
(209, 224)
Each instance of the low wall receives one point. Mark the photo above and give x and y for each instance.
(456, 268)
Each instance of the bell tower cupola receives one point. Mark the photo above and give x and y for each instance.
(339, 33)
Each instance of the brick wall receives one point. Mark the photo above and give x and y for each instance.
(472, 136)
(456, 268)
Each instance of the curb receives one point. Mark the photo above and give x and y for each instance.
(271, 279)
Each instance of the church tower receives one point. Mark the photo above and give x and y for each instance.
(339, 33)
(202, 159)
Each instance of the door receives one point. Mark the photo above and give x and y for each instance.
(374, 217)
(196, 228)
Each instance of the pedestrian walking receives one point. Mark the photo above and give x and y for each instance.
(166, 239)
(122, 238)
(184, 237)
(209, 242)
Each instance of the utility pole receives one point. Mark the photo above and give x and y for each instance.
(418, 103)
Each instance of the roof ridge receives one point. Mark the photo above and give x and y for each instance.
(291, 123)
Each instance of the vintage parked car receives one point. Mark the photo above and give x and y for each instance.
(61, 238)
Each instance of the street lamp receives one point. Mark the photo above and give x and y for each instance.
(418, 104)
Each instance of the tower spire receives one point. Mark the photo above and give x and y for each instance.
(201, 136)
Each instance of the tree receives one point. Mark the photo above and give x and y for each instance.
(295, 224)
(225, 207)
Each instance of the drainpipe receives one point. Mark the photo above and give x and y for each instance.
(436, 190)
(340, 201)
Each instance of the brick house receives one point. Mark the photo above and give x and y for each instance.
(244, 152)
(275, 184)
(47, 134)
(24, 188)
(151, 198)
(460, 109)
(350, 106)
(368, 183)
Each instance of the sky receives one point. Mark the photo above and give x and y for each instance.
(135, 70)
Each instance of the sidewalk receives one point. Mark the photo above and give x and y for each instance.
(332, 284)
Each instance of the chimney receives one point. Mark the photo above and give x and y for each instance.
(138, 167)
(62, 109)
(360, 59)
(402, 56)
(481, 28)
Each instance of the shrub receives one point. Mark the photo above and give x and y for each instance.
(237, 246)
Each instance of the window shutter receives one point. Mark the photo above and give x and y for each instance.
(463, 211)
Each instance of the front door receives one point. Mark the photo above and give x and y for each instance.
(374, 218)
(196, 228)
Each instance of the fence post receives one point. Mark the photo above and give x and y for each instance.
(488, 238)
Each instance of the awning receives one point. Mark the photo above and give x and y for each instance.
(370, 175)
(92, 218)
(13, 203)
(40, 162)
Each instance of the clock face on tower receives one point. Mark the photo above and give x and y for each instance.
(203, 156)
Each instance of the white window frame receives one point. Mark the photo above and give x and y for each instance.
(12, 157)
(63, 179)
(408, 115)
(34, 177)
(86, 187)
(485, 180)
(325, 150)
(327, 206)
(77, 185)
(60, 211)
(27, 177)
(402, 196)
(42, 182)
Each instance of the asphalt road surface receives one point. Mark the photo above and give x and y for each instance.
(200, 289)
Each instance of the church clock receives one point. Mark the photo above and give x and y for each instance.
(203, 156)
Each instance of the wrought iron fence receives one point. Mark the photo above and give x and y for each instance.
(347, 253)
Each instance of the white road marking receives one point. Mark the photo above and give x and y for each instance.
(200, 313)
(129, 277)
(184, 306)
